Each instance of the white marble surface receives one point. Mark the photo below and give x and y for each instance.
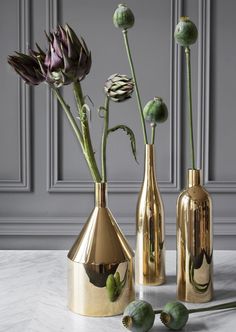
(33, 295)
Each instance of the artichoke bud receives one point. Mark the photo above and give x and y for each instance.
(186, 32)
(27, 67)
(174, 315)
(138, 316)
(155, 111)
(119, 87)
(123, 17)
(68, 59)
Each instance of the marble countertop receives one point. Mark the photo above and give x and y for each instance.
(33, 295)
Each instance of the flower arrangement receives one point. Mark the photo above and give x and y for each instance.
(155, 111)
(67, 61)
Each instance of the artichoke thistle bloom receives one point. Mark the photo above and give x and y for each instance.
(119, 87)
(27, 67)
(67, 60)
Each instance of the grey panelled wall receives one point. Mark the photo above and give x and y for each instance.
(45, 187)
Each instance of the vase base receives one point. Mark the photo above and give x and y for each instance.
(87, 291)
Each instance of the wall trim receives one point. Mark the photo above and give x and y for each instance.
(71, 226)
(23, 182)
(204, 96)
(54, 184)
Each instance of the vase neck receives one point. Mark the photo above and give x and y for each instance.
(149, 162)
(101, 194)
(194, 178)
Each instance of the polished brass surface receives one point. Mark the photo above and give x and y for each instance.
(150, 246)
(194, 242)
(99, 251)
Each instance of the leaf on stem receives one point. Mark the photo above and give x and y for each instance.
(131, 135)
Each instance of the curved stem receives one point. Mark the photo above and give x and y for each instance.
(230, 305)
(125, 34)
(187, 53)
(104, 139)
(153, 134)
(85, 132)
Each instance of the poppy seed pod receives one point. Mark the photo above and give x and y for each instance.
(174, 315)
(155, 111)
(185, 32)
(138, 316)
(123, 17)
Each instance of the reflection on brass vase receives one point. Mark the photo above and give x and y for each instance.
(150, 247)
(194, 242)
(100, 264)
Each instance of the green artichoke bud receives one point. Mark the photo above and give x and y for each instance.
(27, 67)
(67, 59)
(174, 315)
(119, 87)
(123, 17)
(155, 111)
(185, 32)
(138, 316)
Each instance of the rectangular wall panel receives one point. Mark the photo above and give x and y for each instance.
(15, 98)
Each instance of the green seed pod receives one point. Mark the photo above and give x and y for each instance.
(185, 32)
(174, 315)
(123, 17)
(111, 288)
(155, 111)
(138, 316)
(117, 279)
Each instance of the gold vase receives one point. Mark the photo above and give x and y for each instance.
(100, 252)
(150, 246)
(194, 242)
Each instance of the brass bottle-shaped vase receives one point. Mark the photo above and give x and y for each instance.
(100, 264)
(194, 242)
(150, 246)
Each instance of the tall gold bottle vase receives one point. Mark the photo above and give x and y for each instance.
(100, 252)
(150, 246)
(194, 242)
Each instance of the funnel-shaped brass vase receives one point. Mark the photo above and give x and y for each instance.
(100, 265)
(150, 247)
(194, 242)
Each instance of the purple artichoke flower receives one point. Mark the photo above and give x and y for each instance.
(27, 67)
(67, 59)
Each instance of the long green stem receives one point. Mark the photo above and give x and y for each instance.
(86, 133)
(104, 139)
(70, 117)
(187, 53)
(229, 305)
(125, 35)
(153, 134)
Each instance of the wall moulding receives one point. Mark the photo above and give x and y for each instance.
(23, 182)
(205, 111)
